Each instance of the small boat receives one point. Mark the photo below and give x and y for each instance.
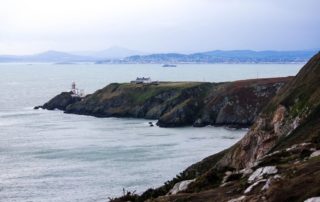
(169, 65)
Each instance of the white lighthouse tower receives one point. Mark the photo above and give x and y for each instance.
(73, 88)
(75, 91)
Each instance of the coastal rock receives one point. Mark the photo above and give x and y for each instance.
(267, 185)
(200, 123)
(246, 171)
(180, 186)
(313, 199)
(239, 199)
(260, 173)
(61, 101)
(314, 154)
(251, 187)
(231, 176)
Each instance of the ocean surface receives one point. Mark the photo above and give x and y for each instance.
(52, 156)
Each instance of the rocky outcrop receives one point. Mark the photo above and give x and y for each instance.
(281, 119)
(238, 103)
(61, 101)
(277, 160)
(180, 186)
(234, 104)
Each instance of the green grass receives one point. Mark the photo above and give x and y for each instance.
(140, 93)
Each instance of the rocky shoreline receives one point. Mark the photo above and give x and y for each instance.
(233, 104)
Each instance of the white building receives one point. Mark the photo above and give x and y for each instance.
(144, 80)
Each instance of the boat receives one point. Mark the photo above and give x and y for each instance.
(169, 65)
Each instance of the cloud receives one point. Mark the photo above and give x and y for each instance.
(158, 25)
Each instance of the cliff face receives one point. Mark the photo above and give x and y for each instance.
(137, 100)
(277, 160)
(238, 103)
(295, 103)
(60, 101)
(234, 104)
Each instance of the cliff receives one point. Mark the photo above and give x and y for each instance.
(277, 160)
(60, 101)
(234, 104)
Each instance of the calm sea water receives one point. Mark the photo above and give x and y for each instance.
(52, 156)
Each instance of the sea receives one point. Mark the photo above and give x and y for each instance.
(52, 156)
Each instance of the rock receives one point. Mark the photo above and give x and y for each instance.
(250, 188)
(227, 173)
(180, 186)
(314, 154)
(295, 147)
(261, 172)
(61, 101)
(278, 118)
(313, 199)
(296, 122)
(199, 123)
(277, 177)
(239, 199)
(246, 171)
(231, 176)
(226, 184)
(269, 181)
(267, 185)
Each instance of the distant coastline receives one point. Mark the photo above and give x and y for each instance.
(210, 57)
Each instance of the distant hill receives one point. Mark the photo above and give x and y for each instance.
(218, 56)
(126, 56)
(48, 56)
(114, 52)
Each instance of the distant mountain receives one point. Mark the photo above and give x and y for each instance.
(114, 52)
(124, 56)
(59, 56)
(48, 56)
(218, 56)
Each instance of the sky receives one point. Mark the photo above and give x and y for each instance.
(32, 26)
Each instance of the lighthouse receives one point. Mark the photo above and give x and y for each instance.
(75, 91)
(73, 88)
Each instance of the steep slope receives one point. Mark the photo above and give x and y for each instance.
(286, 112)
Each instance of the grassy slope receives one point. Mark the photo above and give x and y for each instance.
(139, 93)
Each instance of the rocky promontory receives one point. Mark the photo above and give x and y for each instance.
(234, 104)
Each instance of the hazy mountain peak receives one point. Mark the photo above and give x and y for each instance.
(114, 52)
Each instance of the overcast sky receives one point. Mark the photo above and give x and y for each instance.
(31, 26)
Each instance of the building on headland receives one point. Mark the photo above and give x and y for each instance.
(75, 91)
(143, 80)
